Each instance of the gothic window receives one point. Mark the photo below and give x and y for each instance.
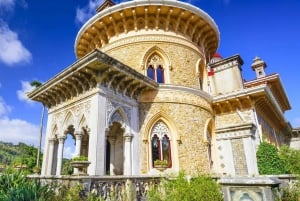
(155, 68)
(160, 144)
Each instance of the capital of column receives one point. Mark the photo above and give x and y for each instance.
(51, 140)
(112, 139)
(61, 139)
(128, 137)
(78, 135)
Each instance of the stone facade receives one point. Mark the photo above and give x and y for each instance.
(148, 88)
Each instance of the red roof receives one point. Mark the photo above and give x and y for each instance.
(217, 55)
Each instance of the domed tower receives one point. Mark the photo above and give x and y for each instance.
(137, 96)
(170, 42)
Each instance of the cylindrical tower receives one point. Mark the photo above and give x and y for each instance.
(171, 42)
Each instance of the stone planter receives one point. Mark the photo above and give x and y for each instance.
(81, 167)
(161, 167)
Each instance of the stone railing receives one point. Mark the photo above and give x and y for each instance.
(117, 188)
(134, 188)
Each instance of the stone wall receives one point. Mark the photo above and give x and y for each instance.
(187, 123)
(180, 56)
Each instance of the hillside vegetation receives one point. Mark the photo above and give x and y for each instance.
(18, 155)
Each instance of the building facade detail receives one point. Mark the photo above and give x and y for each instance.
(148, 87)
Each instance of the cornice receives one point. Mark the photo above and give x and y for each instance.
(133, 16)
(92, 71)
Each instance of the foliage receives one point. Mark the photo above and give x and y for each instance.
(290, 193)
(268, 160)
(80, 158)
(161, 162)
(200, 188)
(291, 158)
(15, 186)
(67, 168)
(35, 83)
(20, 154)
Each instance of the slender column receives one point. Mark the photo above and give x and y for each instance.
(127, 155)
(112, 141)
(61, 140)
(78, 137)
(50, 155)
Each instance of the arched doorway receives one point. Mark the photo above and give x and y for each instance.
(115, 150)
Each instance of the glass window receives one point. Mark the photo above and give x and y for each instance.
(160, 144)
(160, 74)
(150, 72)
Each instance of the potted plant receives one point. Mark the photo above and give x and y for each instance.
(161, 165)
(81, 163)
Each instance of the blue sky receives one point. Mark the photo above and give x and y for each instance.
(37, 41)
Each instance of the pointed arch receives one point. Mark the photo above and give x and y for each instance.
(166, 119)
(118, 115)
(156, 65)
(54, 131)
(82, 123)
(160, 52)
(200, 73)
(68, 120)
(161, 134)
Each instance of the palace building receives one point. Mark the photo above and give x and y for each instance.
(148, 89)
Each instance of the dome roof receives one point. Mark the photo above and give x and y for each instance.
(168, 15)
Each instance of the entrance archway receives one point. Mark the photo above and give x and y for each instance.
(115, 149)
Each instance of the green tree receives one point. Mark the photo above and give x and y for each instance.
(37, 84)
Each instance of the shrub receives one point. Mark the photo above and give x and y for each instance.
(291, 159)
(200, 188)
(268, 161)
(80, 158)
(15, 186)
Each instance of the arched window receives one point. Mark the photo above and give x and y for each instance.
(160, 144)
(155, 68)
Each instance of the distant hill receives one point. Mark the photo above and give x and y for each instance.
(11, 155)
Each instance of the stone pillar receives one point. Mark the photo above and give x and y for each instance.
(50, 155)
(112, 141)
(78, 137)
(127, 154)
(61, 140)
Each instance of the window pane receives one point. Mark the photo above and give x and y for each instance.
(160, 75)
(155, 149)
(150, 72)
(166, 151)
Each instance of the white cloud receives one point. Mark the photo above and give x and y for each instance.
(8, 4)
(69, 152)
(4, 108)
(17, 130)
(26, 87)
(86, 12)
(12, 51)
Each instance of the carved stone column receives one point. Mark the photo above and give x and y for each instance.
(78, 137)
(127, 154)
(51, 142)
(61, 140)
(112, 141)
